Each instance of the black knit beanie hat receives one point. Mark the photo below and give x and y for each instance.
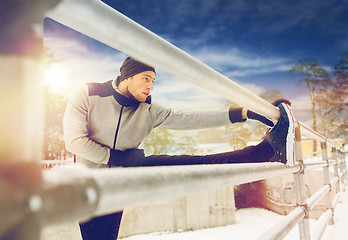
(131, 67)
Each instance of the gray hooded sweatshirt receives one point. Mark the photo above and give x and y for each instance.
(98, 118)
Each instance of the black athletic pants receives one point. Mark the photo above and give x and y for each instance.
(107, 227)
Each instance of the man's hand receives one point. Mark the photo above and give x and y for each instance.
(255, 116)
(242, 114)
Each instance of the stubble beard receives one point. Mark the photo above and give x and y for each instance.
(129, 95)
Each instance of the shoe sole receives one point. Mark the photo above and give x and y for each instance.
(290, 139)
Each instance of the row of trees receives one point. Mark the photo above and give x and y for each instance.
(164, 141)
(54, 104)
(53, 141)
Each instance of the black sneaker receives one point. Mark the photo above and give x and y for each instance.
(282, 136)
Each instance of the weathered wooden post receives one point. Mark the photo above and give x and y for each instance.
(21, 54)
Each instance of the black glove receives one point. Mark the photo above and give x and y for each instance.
(128, 158)
(235, 115)
(255, 116)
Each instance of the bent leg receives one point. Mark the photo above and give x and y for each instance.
(104, 227)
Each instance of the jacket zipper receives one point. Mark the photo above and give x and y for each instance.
(118, 127)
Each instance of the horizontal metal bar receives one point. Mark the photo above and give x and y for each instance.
(321, 225)
(115, 189)
(105, 24)
(312, 201)
(319, 163)
(154, 183)
(332, 162)
(282, 228)
(334, 181)
(309, 132)
(315, 164)
(111, 190)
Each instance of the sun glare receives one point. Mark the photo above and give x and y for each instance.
(56, 79)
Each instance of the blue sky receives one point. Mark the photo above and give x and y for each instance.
(252, 42)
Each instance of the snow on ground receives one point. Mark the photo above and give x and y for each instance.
(340, 229)
(251, 224)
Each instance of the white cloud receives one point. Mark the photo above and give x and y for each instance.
(236, 58)
(235, 63)
(83, 65)
(244, 72)
(80, 63)
(176, 93)
(253, 88)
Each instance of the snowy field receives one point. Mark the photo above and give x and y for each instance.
(251, 224)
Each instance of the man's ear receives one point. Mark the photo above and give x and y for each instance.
(125, 81)
(128, 79)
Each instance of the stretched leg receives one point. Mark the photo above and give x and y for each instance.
(262, 152)
(104, 227)
(259, 153)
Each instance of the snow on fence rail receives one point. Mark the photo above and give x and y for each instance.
(79, 193)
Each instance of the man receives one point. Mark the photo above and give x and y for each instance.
(104, 124)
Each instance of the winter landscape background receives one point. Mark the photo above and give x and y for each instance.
(268, 47)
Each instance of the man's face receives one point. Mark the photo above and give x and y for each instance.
(140, 85)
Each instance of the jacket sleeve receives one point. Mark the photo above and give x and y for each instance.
(76, 129)
(167, 118)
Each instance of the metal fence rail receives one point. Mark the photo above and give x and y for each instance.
(79, 193)
(73, 194)
(123, 34)
(300, 213)
(281, 229)
(120, 32)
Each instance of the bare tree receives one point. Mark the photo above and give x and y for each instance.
(335, 111)
(316, 80)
